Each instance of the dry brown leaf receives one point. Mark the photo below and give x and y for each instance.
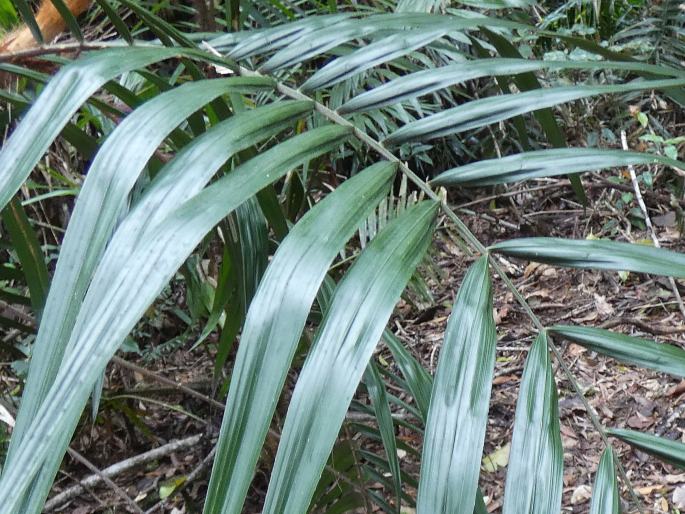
(603, 307)
(678, 498)
(648, 490)
(581, 494)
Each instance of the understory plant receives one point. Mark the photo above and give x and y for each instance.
(213, 137)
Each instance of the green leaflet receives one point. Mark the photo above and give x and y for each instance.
(534, 476)
(353, 325)
(69, 19)
(100, 203)
(370, 56)
(317, 34)
(425, 82)
(121, 300)
(490, 110)
(418, 380)
(252, 249)
(379, 399)
(595, 254)
(281, 36)
(526, 82)
(458, 415)
(316, 42)
(59, 101)
(30, 255)
(633, 350)
(545, 163)
(273, 326)
(420, 383)
(479, 507)
(669, 451)
(418, 5)
(27, 16)
(605, 498)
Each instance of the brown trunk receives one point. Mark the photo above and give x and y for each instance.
(50, 22)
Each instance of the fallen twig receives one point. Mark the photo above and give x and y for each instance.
(645, 327)
(117, 469)
(648, 221)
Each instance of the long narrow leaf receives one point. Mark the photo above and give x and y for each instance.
(101, 201)
(596, 254)
(360, 308)
(458, 415)
(278, 37)
(379, 400)
(27, 15)
(546, 163)
(633, 350)
(372, 55)
(535, 475)
(527, 81)
(311, 44)
(29, 253)
(173, 185)
(273, 326)
(60, 100)
(605, 498)
(669, 451)
(425, 82)
(121, 303)
(418, 380)
(491, 110)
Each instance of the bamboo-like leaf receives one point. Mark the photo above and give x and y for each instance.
(605, 498)
(317, 34)
(669, 451)
(60, 100)
(121, 300)
(361, 306)
(535, 475)
(273, 326)
(28, 17)
(68, 18)
(100, 203)
(278, 37)
(418, 5)
(479, 507)
(527, 81)
(546, 163)
(252, 255)
(425, 82)
(379, 400)
(369, 56)
(29, 253)
(458, 415)
(419, 381)
(596, 254)
(116, 20)
(312, 44)
(173, 185)
(490, 110)
(633, 350)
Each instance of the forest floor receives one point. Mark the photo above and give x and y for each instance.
(139, 412)
(621, 396)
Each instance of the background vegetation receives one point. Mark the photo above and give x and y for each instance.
(263, 192)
